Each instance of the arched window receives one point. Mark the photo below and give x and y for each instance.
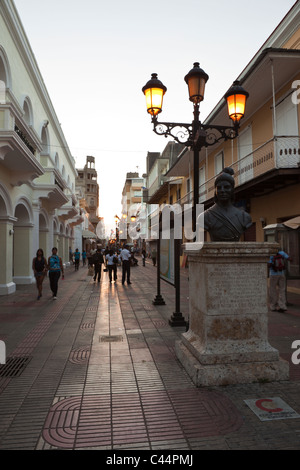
(2, 92)
(5, 77)
(28, 114)
(57, 161)
(45, 140)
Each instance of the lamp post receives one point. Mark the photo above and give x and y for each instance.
(195, 135)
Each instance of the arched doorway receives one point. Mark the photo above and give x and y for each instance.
(7, 286)
(22, 244)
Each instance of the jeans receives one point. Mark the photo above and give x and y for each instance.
(277, 292)
(112, 268)
(97, 272)
(125, 271)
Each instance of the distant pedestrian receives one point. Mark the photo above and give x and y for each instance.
(98, 260)
(278, 281)
(77, 259)
(112, 262)
(106, 251)
(83, 258)
(144, 257)
(125, 256)
(90, 254)
(153, 255)
(56, 268)
(39, 266)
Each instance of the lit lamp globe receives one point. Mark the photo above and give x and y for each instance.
(154, 91)
(236, 98)
(196, 80)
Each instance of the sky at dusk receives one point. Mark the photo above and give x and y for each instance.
(95, 56)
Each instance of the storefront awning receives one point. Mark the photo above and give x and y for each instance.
(293, 223)
(88, 234)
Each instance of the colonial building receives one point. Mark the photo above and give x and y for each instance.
(38, 205)
(160, 189)
(266, 155)
(87, 182)
(132, 195)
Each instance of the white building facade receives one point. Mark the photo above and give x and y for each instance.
(38, 205)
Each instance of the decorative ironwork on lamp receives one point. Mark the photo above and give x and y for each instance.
(195, 135)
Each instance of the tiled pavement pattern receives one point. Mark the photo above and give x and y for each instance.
(98, 371)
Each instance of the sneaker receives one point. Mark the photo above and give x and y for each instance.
(38, 297)
(54, 297)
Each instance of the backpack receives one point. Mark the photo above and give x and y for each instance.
(278, 263)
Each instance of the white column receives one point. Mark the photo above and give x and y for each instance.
(23, 254)
(50, 241)
(7, 286)
(36, 226)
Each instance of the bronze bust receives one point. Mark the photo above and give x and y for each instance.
(224, 221)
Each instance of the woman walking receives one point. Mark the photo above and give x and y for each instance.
(55, 267)
(39, 266)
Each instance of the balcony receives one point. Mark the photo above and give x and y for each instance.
(273, 165)
(50, 189)
(18, 159)
(18, 147)
(68, 210)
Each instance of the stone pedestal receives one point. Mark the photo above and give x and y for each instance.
(227, 340)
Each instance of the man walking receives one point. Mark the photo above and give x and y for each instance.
(125, 256)
(278, 281)
(98, 261)
(77, 258)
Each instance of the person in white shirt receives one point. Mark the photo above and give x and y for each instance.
(111, 258)
(125, 256)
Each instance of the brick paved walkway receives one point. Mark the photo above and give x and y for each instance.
(96, 369)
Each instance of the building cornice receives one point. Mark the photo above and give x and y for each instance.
(13, 22)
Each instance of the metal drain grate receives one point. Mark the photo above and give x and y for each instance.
(14, 366)
(110, 339)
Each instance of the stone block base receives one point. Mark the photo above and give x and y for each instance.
(204, 375)
(6, 289)
(227, 341)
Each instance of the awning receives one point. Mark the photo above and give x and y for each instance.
(293, 223)
(88, 234)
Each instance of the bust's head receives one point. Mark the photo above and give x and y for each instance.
(224, 186)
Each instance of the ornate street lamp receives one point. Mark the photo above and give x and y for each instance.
(195, 135)
(154, 92)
